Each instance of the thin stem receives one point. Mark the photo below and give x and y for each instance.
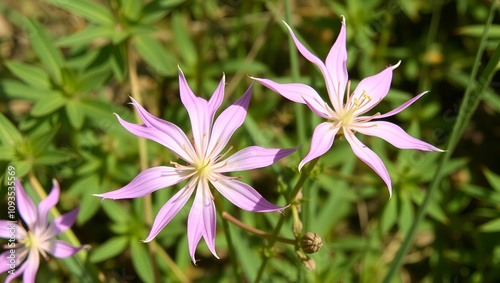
(254, 230)
(469, 104)
(171, 263)
(143, 158)
(230, 245)
(281, 221)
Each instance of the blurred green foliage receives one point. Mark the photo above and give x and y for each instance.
(65, 68)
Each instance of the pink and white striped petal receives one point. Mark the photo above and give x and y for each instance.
(170, 209)
(227, 122)
(46, 204)
(244, 196)
(401, 107)
(148, 181)
(60, 249)
(336, 66)
(19, 268)
(60, 224)
(394, 134)
(26, 207)
(253, 157)
(216, 100)
(8, 228)
(322, 141)
(369, 157)
(31, 267)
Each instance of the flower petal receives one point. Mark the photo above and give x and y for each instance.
(227, 122)
(199, 115)
(300, 93)
(60, 249)
(201, 220)
(216, 100)
(322, 141)
(253, 157)
(20, 256)
(26, 207)
(336, 66)
(32, 264)
(369, 157)
(376, 87)
(170, 209)
(244, 196)
(394, 135)
(148, 181)
(46, 204)
(7, 227)
(401, 107)
(60, 224)
(160, 131)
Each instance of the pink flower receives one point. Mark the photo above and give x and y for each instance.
(37, 240)
(204, 164)
(348, 117)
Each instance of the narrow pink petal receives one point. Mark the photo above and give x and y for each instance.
(148, 181)
(227, 122)
(20, 256)
(369, 157)
(300, 93)
(60, 249)
(202, 220)
(26, 207)
(376, 87)
(216, 100)
(170, 209)
(244, 196)
(253, 157)
(336, 65)
(401, 107)
(7, 228)
(162, 132)
(198, 111)
(60, 224)
(322, 141)
(32, 264)
(394, 135)
(46, 204)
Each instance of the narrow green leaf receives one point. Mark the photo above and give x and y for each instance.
(75, 113)
(141, 260)
(16, 89)
(116, 212)
(87, 35)
(50, 56)
(88, 9)
(119, 61)
(34, 76)
(7, 152)
(389, 216)
(406, 214)
(52, 157)
(477, 31)
(109, 249)
(155, 54)
(9, 135)
(491, 226)
(157, 9)
(183, 40)
(48, 105)
(22, 167)
(493, 179)
(131, 8)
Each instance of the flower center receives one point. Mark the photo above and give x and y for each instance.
(31, 241)
(203, 167)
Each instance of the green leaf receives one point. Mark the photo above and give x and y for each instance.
(75, 113)
(491, 226)
(119, 61)
(15, 89)
(183, 40)
(477, 31)
(22, 167)
(109, 249)
(9, 135)
(155, 54)
(406, 214)
(87, 35)
(48, 105)
(52, 157)
(50, 56)
(141, 260)
(493, 179)
(7, 152)
(88, 9)
(116, 212)
(131, 8)
(31, 75)
(157, 9)
(389, 215)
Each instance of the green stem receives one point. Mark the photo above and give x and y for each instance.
(281, 221)
(227, 233)
(469, 105)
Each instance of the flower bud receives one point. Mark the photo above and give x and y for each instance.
(311, 242)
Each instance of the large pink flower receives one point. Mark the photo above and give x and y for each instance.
(348, 117)
(204, 164)
(38, 239)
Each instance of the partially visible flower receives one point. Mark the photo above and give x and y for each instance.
(38, 239)
(347, 117)
(204, 164)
